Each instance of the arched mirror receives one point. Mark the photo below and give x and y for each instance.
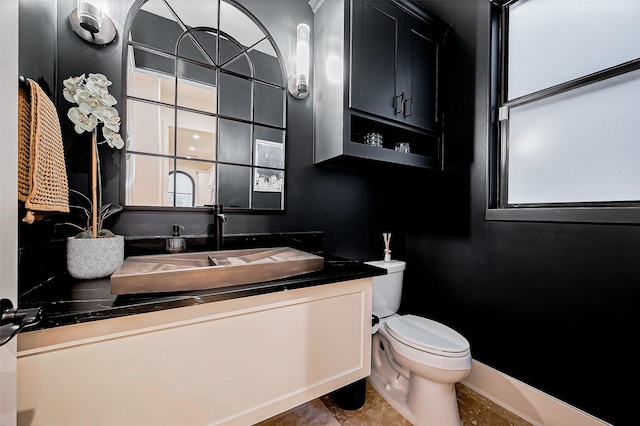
(205, 103)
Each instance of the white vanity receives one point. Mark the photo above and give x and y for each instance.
(230, 362)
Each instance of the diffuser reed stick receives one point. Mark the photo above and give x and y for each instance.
(387, 243)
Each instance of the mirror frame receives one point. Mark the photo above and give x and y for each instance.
(128, 44)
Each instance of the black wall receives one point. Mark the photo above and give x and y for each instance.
(552, 305)
(352, 208)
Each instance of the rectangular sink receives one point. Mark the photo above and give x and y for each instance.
(210, 269)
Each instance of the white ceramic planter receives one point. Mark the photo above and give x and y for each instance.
(91, 258)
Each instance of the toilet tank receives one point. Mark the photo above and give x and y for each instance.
(387, 289)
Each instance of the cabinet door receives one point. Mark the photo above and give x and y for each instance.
(376, 38)
(422, 44)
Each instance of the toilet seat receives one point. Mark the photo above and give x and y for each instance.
(427, 335)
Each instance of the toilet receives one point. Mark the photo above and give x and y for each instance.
(415, 361)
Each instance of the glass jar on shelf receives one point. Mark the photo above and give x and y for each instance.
(373, 139)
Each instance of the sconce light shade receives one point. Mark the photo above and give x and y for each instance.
(90, 16)
(298, 84)
(91, 24)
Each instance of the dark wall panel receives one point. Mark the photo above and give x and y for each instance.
(37, 29)
(37, 25)
(352, 208)
(550, 304)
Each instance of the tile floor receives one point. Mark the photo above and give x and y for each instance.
(475, 410)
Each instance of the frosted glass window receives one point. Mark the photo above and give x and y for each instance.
(569, 128)
(579, 146)
(555, 41)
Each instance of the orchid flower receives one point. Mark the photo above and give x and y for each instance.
(95, 106)
(114, 140)
(109, 117)
(82, 118)
(71, 87)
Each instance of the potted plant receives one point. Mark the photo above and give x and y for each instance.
(95, 252)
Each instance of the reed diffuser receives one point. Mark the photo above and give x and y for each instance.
(387, 242)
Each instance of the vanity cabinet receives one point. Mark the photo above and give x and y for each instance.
(230, 362)
(379, 69)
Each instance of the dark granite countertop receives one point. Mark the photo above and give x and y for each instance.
(65, 300)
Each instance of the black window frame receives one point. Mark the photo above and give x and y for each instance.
(497, 208)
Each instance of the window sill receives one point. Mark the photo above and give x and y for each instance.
(614, 215)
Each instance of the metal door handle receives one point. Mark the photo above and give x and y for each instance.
(14, 320)
(404, 108)
(398, 102)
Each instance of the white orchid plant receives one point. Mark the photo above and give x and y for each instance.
(95, 106)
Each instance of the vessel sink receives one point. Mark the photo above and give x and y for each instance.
(210, 269)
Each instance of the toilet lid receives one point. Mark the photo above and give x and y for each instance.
(427, 335)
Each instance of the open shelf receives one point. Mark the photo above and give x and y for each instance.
(426, 148)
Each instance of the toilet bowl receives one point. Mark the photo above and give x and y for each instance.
(415, 361)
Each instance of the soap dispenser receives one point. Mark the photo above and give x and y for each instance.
(176, 243)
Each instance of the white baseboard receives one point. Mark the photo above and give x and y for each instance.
(525, 401)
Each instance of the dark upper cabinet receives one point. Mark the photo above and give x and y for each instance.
(394, 64)
(377, 78)
(421, 86)
(389, 54)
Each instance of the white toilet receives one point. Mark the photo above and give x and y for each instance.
(415, 362)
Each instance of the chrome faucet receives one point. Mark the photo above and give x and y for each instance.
(219, 218)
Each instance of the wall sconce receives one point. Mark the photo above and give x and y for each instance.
(298, 84)
(91, 24)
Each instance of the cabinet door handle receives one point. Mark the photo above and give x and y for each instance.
(404, 107)
(398, 103)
